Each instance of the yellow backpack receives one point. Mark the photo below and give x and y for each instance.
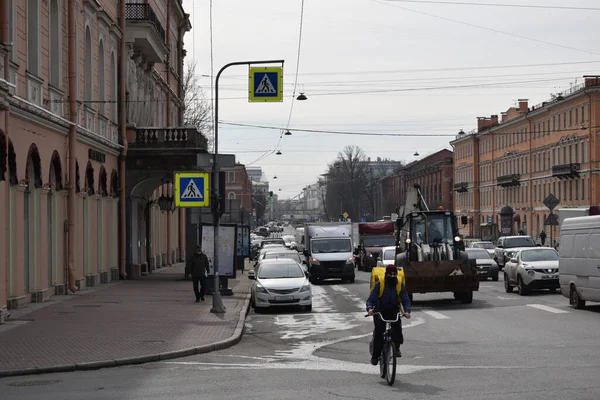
(378, 275)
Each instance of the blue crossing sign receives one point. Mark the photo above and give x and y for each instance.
(192, 189)
(265, 84)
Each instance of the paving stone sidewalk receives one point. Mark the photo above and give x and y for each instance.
(122, 323)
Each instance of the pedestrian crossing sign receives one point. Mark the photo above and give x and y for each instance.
(265, 84)
(191, 189)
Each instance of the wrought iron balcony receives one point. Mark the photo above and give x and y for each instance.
(566, 170)
(145, 31)
(461, 187)
(511, 180)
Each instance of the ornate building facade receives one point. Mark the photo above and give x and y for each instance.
(64, 114)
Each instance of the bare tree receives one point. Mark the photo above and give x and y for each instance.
(197, 109)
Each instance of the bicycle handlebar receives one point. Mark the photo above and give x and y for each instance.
(399, 315)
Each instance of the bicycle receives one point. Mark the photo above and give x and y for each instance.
(387, 359)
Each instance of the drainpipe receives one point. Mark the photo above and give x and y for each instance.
(591, 146)
(72, 198)
(168, 123)
(529, 167)
(122, 157)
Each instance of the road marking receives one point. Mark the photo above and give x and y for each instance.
(340, 289)
(507, 298)
(547, 308)
(435, 314)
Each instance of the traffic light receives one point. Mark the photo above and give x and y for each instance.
(271, 194)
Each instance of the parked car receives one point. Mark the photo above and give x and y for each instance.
(511, 242)
(280, 282)
(489, 246)
(283, 253)
(486, 266)
(579, 272)
(531, 268)
(272, 241)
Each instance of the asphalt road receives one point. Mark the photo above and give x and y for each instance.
(503, 346)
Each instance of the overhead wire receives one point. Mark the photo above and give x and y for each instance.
(485, 27)
(463, 3)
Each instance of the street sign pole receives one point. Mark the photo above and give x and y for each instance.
(217, 306)
(551, 202)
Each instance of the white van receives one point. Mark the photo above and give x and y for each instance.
(579, 265)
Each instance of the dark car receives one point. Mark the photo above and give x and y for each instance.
(486, 266)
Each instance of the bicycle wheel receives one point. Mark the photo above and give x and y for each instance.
(390, 375)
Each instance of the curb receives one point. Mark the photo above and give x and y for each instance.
(92, 365)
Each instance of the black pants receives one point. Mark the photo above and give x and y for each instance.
(195, 281)
(397, 336)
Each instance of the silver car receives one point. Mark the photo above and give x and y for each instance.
(531, 268)
(280, 282)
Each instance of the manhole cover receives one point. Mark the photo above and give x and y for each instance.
(34, 383)
(88, 305)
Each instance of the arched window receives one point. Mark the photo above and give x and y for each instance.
(55, 44)
(33, 37)
(88, 66)
(113, 88)
(101, 82)
(231, 196)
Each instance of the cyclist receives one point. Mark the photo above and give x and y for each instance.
(388, 301)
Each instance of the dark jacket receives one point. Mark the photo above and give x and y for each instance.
(197, 265)
(389, 302)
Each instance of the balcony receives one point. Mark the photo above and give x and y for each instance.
(146, 32)
(461, 187)
(511, 180)
(155, 148)
(566, 171)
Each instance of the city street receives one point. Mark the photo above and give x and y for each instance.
(502, 346)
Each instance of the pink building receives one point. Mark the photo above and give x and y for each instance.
(238, 185)
(63, 137)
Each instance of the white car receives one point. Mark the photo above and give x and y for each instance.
(290, 241)
(489, 246)
(531, 268)
(386, 256)
(280, 283)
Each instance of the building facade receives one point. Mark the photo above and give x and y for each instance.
(238, 185)
(63, 137)
(434, 175)
(531, 152)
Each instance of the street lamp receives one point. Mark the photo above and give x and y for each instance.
(301, 97)
(278, 153)
(287, 133)
(163, 201)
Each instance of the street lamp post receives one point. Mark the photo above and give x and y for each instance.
(217, 306)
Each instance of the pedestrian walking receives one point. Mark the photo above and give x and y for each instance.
(543, 237)
(198, 266)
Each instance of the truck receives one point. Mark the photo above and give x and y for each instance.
(570, 212)
(329, 251)
(372, 237)
(430, 251)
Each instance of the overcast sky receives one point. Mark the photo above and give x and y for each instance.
(408, 49)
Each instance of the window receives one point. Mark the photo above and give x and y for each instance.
(88, 66)
(113, 88)
(101, 83)
(33, 37)
(55, 66)
(231, 196)
(230, 176)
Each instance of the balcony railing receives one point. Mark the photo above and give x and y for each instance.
(143, 12)
(182, 137)
(461, 187)
(566, 170)
(509, 180)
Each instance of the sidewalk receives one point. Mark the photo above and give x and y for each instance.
(127, 322)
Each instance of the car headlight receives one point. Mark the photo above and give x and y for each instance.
(526, 266)
(369, 255)
(315, 261)
(261, 289)
(305, 288)
(457, 238)
(350, 260)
